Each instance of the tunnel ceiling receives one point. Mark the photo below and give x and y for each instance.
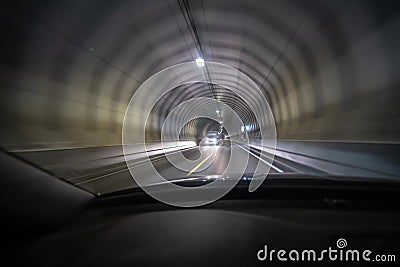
(198, 126)
(329, 69)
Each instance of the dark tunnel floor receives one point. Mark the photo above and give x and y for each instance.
(108, 171)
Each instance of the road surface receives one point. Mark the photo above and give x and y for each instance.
(103, 170)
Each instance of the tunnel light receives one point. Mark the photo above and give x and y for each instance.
(217, 111)
(246, 128)
(200, 62)
(221, 122)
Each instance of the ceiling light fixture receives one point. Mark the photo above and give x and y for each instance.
(200, 62)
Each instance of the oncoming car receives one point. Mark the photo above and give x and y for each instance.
(212, 138)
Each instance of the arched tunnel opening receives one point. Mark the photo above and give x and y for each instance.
(196, 129)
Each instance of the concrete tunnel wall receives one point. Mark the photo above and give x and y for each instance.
(329, 69)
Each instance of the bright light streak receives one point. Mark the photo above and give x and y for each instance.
(200, 62)
(247, 128)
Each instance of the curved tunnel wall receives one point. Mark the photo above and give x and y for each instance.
(329, 69)
(197, 128)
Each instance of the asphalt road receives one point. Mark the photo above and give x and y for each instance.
(105, 170)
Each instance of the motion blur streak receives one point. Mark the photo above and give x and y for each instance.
(330, 71)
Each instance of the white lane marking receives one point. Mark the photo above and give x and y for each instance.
(129, 168)
(262, 160)
(136, 163)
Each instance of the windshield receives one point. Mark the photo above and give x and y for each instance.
(109, 96)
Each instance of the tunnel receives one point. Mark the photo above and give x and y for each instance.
(314, 83)
(199, 132)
